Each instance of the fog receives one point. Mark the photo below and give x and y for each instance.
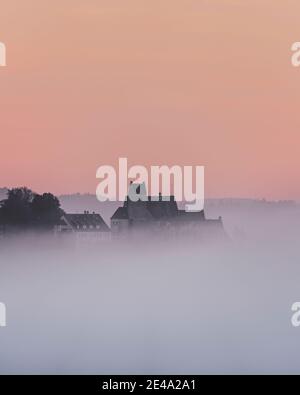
(156, 308)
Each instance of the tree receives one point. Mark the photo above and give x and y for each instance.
(46, 210)
(16, 209)
(28, 209)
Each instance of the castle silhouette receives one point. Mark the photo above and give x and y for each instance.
(156, 215)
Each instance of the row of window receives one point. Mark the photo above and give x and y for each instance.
(89, 227)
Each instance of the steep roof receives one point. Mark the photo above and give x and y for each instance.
(86, 222)
(162, 209)
(147, 210)
(151, 208)
(120, 213)
(138, 211)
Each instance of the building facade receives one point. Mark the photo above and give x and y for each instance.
(84, 227)
(160, 216)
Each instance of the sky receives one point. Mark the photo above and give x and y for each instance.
(161, 82)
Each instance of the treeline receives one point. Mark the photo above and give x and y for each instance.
(24, 208)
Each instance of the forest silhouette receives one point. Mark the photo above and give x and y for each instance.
(25, 208)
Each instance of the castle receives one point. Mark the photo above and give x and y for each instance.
(139, 216)
(160, 215)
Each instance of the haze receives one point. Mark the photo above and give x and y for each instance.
(161, 82)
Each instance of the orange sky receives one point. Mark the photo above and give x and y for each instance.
(203, 82)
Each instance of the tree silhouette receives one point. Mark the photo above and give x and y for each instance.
(25, 208)
(16, 209)
(46, 209)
